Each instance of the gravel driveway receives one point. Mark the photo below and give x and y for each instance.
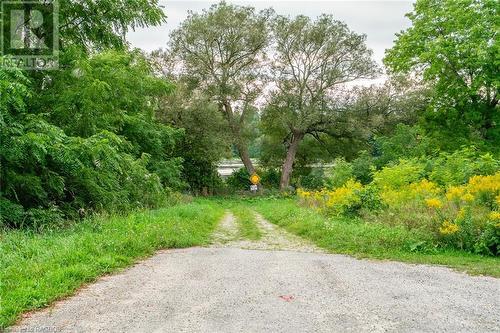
(227, 288)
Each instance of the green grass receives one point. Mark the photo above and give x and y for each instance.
(247, 223)
(39, 268)
(369, 240)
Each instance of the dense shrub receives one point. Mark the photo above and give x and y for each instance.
(339, 174)
(401, 174)
(456, 168)
(462, 210)
(239, 180)
(313, 180)
(42, 168)
(363, 167)
(406, 142)
(205, 140)
(270, 178)
(121, 161)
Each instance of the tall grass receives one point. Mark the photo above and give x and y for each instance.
(38, 268)
(370, 240)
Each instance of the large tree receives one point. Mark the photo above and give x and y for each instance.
(96, 25)
(206, 139)
(222, 49)
(311, 61)
(453, 45)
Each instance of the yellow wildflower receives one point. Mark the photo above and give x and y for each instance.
(455, 192)
(467, 197)
(484, 183)
(343, 195)
(494, 216)
(448, 228)
(434, 203)
(424, 188)
(497, 199)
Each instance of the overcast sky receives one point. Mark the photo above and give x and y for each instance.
(379, 20)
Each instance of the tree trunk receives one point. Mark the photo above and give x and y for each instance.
(245, 157)
(241, 146)
(287, 168)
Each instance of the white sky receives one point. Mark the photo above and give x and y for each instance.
(379, 20)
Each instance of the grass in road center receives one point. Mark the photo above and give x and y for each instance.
(38, 268)
(368, 240)
(247, 223)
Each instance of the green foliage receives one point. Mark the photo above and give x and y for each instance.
(112, 90)
(107, 152)
(405, 142)
(489, 241)
(399, 175)
(363, 167)
(205, 141)
(239, 180)
(220, 48)
(270, 178)
(42, 168)
(340, 173)
(39, 268)
(454, 45)
(102, 24)
(370, 199)
(313, 180)
(456, 168)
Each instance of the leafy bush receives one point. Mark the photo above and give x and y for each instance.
(239, 180)
(405, 143)
(464, 216)
(122, 161)
(314, 180)
(270, 178)
(400, 174)
(456, 168)
(489, 240)
(340, 173)
(363, 167)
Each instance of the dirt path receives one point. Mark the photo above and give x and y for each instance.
(242, 286)
(273, 237)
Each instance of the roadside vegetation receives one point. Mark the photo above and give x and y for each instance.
(454, 199)
(247, 222)
(98, 155)
(364, 239)
(37, 268)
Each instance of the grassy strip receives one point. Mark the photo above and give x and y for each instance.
(247, 223)
(369, 240)
(37, 269)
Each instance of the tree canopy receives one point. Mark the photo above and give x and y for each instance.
(222, 49)
(311, 60)
(454, 46)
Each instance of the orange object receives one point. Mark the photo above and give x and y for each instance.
(255, 179)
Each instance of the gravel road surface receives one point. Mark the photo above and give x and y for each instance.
(233, 289)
